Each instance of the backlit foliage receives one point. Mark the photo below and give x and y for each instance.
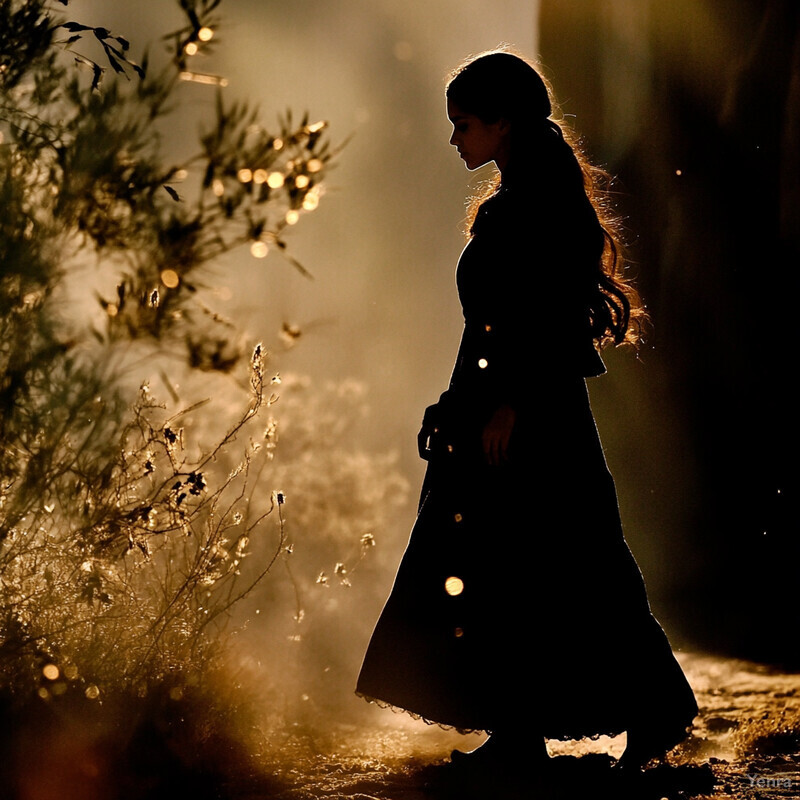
(125, 526)
(113, 571)
(81, 169)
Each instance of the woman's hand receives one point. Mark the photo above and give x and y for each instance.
(497, 435)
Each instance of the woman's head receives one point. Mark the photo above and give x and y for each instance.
(479, 142)
(500, 85)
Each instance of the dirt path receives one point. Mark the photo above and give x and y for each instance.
(745, 744)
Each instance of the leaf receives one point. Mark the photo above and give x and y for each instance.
(114, 63)
(97, 70)
(76, 26)
(97, 76)
(110, 48)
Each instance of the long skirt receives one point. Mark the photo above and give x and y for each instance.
(518, 601)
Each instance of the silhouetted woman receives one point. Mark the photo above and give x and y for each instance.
(518, 608)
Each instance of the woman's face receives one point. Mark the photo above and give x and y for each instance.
(478, 142)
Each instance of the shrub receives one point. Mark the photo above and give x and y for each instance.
(129, 528)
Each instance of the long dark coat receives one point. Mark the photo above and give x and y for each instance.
(548, 623)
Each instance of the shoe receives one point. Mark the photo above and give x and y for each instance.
(484, 755)
(498, 751)
(639, 753)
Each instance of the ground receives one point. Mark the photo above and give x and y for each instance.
(745, 744)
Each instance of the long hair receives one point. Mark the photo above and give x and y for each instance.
(500, 84)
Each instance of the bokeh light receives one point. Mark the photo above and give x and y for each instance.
(259, 249)
(311, 200)
(170, 278)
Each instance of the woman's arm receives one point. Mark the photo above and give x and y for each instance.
(497, 435)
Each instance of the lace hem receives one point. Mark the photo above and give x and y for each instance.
(400, 710)
(675, 739)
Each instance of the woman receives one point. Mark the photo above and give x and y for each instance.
(518, 608)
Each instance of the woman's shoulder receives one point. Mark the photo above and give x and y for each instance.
(508, 204)
(537, 208)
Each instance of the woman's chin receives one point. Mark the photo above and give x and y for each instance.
(473, 165)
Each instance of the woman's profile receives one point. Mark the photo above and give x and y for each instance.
(518, 608)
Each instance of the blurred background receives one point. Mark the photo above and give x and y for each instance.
(695, 107)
